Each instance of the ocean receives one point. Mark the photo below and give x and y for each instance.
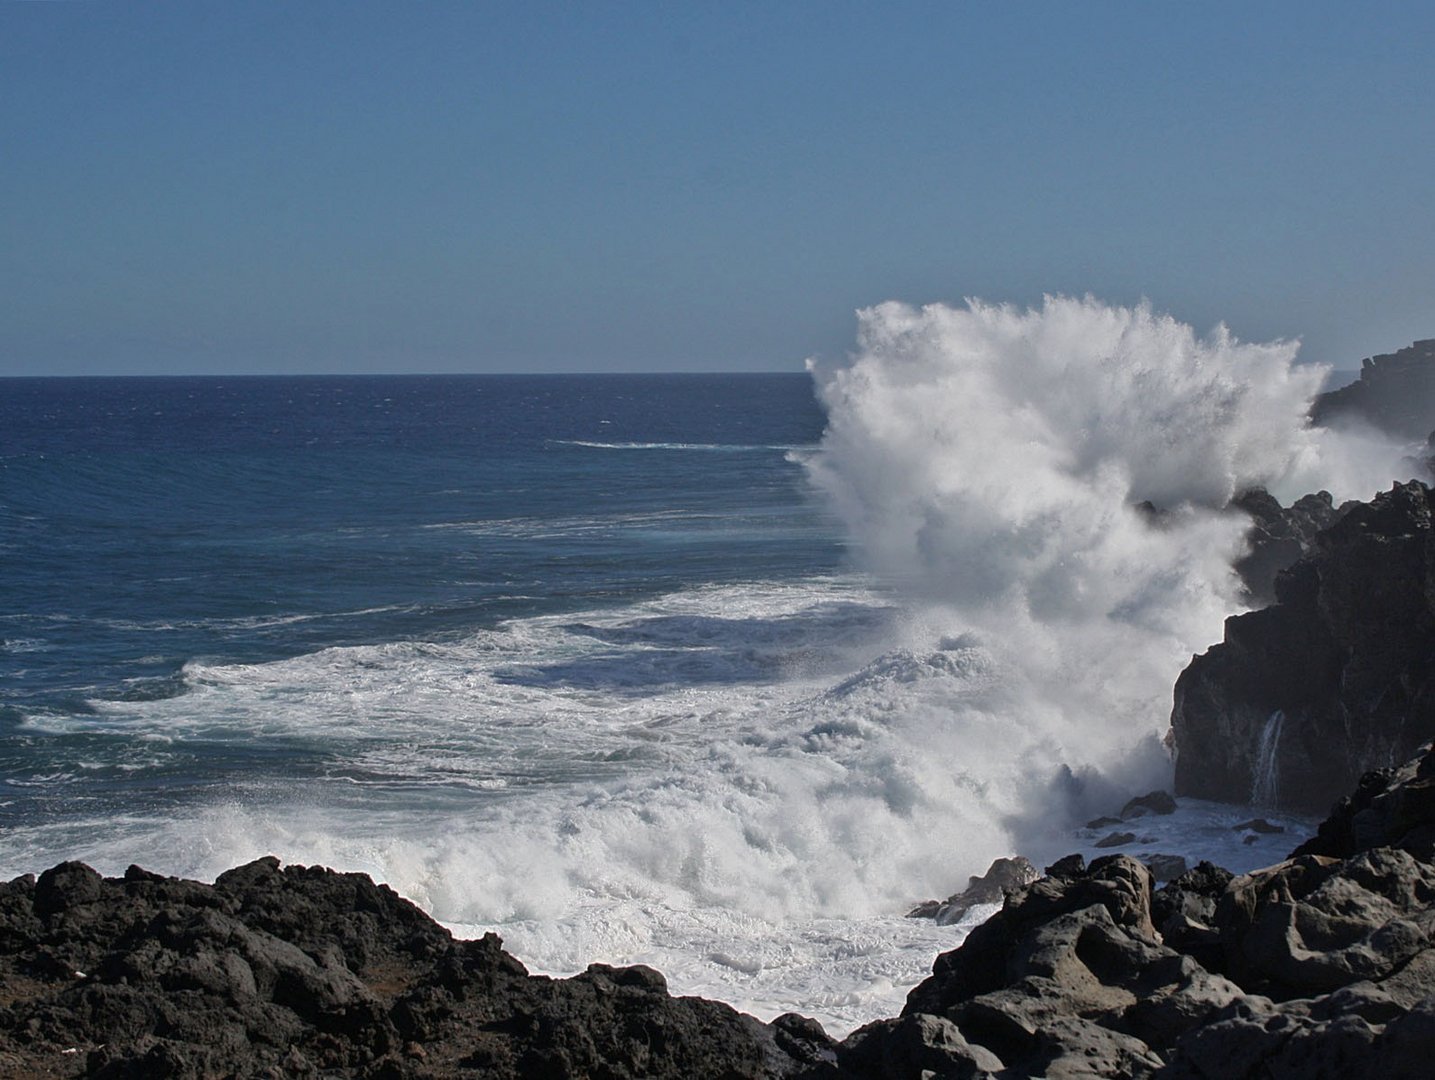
(717, 673)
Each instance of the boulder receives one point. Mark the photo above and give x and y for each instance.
(1001, 877)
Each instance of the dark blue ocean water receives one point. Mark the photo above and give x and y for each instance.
(151, 522)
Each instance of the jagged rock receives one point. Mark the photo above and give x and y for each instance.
(1336, 678)
(1153, 802)
(1116, 839)
(1259, 825)
(1395, 393)
(1389, 808)
(1319, 966)
(1314, 924)
(991, 888)
(303, 971)
(1102, 822)
(1117, 883)
(1278, 536)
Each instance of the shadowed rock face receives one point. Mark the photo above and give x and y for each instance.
(1395, 393)
(299, 972)
(1279, 536)
(1336, 678)
(1319, 967)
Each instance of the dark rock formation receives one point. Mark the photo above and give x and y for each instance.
(1319, 967)
(1395, 393)
(1279, 536)
(1390, 808)
(1153, 802)
(299, 971)
(1336, 678)
(1002, 877)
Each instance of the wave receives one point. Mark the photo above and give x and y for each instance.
(991, 462)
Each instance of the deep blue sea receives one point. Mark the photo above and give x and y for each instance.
(587, 660)
(523, 647)
(148, 524)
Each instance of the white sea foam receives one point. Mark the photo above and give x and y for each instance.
(994, 458)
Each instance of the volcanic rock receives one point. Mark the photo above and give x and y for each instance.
(298, 971)
(1319, 967)
(1335, 679)
(1153, 802)
(1395, 393)
(1279, 536)
(1001, 877)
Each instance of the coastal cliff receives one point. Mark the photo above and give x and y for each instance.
(1336, 678)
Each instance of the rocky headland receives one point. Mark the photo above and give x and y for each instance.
(1395, 393)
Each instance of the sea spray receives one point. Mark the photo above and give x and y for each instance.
(1053, 480)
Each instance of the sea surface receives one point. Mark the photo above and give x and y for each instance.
(585, 660)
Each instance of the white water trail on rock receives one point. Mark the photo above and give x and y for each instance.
(1266, 778)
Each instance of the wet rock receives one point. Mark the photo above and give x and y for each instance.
(1278, 537)
(1001, 877)
(1259, 825)
(1154, 802)
(1337, 678)
(1116, 839)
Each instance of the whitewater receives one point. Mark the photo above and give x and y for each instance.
(941, 631)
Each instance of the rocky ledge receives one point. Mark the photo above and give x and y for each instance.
(1321, 966)
(1334, 679)
(300, 971)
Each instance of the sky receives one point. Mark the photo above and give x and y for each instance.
(197, 188)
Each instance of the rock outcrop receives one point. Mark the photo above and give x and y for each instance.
(1334, 679)
(1319, 967)
(1279, 536)
(305, 972)
(1395, 393)
(1002, 877)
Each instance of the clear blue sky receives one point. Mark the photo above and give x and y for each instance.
(354, 187)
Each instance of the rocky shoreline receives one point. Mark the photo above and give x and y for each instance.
(1320, 966)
